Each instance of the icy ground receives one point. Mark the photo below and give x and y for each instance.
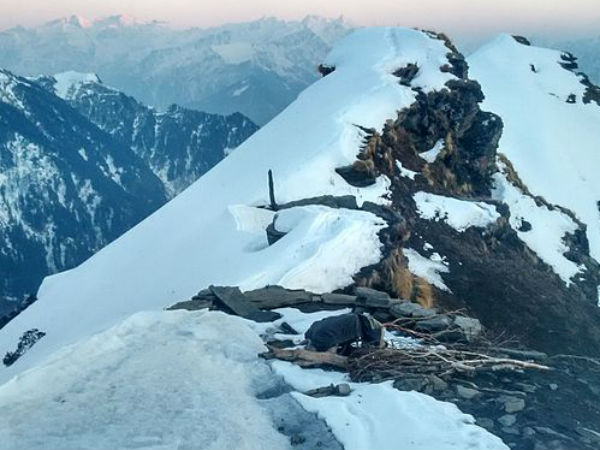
(182, 379)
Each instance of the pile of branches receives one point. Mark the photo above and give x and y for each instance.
(390, 364)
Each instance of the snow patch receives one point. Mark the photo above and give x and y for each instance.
(66, 82)
(83, 154)
(404, 172)
(459, 214)
(428, 268)
(379, 417)
(431, 155)
(239, 91)
(548, 227)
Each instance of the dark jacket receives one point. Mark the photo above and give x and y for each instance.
(339, 330)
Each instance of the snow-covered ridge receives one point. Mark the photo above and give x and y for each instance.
(194, 241)
(66, 82)
(550, 135)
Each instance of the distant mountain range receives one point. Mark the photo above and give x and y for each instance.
(256, 68)
(81, 163)
(179, 144)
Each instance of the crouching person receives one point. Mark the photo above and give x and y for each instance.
(338, 333)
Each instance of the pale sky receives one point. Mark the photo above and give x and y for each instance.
(451, 16)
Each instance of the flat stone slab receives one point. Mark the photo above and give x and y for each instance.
(191, 305)
(272, 297)
(338, 299)
(371, 297)
(232, 299)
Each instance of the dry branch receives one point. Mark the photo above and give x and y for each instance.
(395, 363)
(307, 358)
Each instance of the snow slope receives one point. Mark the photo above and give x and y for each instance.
(179, 379)
(195, 240)
(379, 417)
(156, 380)
(553, 145)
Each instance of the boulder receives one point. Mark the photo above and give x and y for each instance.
(427, 384)
(339, 390)
(466, 393)
(513, 404)
(507, 420)
(471, 328)
(418, 384)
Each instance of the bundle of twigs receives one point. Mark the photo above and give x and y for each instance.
(390, 364)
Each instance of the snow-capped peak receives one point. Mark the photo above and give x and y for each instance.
(67, 81)
(74, 20)
(119, 20)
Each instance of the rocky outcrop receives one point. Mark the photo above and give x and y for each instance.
(28, 340)
(485, 267)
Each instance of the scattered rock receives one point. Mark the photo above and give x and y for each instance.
(551, 432)
(418, 384)
(553, 386)
(466, 393)
(486, 423)
(510, 430)
(437, 383)
(434, 324)
(528, 432)
(427, 384)
(340, 390)
(507, 420)
(471, 328)
(513, 404)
